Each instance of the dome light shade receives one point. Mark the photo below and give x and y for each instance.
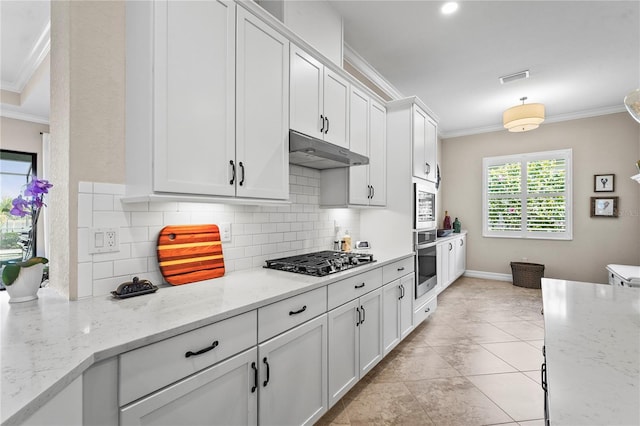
(632, 102)
(523, 118)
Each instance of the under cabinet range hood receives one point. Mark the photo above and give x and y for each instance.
(317, 154)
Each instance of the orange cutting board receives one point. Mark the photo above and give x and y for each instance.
(190, 253)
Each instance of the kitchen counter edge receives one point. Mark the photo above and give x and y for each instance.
(102, 327)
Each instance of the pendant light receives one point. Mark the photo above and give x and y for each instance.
(632, 102)
(522, 118)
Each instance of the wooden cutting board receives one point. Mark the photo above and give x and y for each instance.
(190, 253)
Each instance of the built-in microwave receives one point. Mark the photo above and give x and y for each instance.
(424, 207)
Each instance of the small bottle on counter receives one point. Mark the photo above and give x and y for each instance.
(346, 241)
(446, 224)
(456, 226)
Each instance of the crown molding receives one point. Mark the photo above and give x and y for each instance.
(371, 73)
(38, 54)
(548, 120)
(7, 113)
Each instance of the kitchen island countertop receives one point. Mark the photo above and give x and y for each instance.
(47, 343)
(592, 342)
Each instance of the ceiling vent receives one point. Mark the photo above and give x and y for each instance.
(513, 77)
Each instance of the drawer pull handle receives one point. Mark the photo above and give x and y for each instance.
(428, 310)
(359, 286)
(264, 360)
(401, 269)
(255, 377)
(299, 311)
(201, 351)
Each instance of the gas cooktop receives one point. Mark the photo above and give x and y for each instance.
(320, 263)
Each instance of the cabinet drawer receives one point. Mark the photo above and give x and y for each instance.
(397, 269)
(280, 316)
(425, 310)
(348, 289)
(146, 369)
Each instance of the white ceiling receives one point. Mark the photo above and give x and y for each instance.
(583, 56)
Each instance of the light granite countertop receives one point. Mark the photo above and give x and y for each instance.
(47, 343)
(592, 341)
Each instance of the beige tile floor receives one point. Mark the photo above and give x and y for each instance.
(476, 361)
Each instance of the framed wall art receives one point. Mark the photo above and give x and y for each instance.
(604, 206)
(603, 183)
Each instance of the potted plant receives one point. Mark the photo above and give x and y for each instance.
(22, 278)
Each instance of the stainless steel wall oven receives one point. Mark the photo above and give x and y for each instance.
(425, 247)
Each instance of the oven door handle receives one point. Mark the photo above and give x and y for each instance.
(425, 245)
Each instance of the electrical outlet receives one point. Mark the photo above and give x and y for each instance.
(104, 240)
(225, 232)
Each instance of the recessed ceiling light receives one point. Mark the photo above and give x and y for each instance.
(449, 7)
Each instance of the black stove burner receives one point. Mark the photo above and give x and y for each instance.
(320, 263)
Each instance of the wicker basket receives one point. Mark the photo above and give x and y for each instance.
(527, 274)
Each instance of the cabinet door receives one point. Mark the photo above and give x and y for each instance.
(336, 109)
(224, 394)
(442, 264)
(344, 350)
(359, 190)
(262, 114)
(419, 143)
(293, 375)
(378, 154)
(194, 97)
(430, 149)
(461, 255)
(391, 297)
(406, 305)
(451, 260)
(370, 330)
(306, 96)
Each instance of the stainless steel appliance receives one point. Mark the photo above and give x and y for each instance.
(320, 263)
(424, 207)
(426, 273)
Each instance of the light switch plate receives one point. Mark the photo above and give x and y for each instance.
(104, 240)
(225, 232)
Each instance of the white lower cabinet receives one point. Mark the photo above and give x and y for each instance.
(451, 256)
(293, 375)
(397, 300)
(224, 394)
(355, 342)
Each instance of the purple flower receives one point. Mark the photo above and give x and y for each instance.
(31, 204)
(37, 186)
(20, 207)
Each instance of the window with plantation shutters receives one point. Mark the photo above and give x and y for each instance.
(528, 195)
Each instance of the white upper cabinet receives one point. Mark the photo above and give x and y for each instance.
(367, 129)
(319, 99)
(425, 140)
(207, 111)
(194, 99)
(262, 110)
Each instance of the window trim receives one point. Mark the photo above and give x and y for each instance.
(567, 155)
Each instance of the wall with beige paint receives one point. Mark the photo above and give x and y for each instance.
(604, 144)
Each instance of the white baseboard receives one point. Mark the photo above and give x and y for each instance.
(488, 275)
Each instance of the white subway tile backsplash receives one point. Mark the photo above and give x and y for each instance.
(86, 187)
(131, 267)
(146, 218)
(85, 280)
(108, 188)
(103, 202)
(102, 270)
(85, 210)
(258, 232)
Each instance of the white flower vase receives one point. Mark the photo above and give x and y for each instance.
(26, 286)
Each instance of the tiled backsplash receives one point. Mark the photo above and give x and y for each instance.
(258, 232)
